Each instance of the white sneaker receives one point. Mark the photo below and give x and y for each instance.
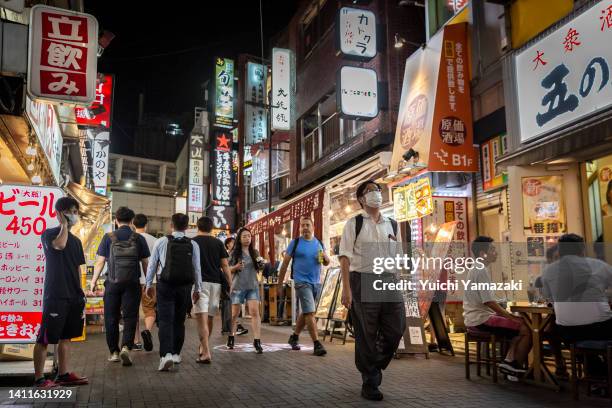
(166, 363)
(176, 358)
(125, 356)
(114, 357)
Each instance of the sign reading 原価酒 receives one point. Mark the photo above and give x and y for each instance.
(565, 76)
(62, 59)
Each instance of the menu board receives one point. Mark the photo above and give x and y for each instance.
(327, 293)
(27, 211)
(543, 205)
(413, 200)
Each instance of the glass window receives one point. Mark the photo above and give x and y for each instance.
(170, 176)
(352, 128)
(149, 173)
(130, 170)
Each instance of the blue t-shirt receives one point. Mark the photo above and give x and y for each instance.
(306, 266)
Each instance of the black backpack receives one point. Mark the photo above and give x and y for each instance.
(297, 241)
(178, 268)
(123, 259)
(359, 225)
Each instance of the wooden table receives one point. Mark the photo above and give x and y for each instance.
(537, 319)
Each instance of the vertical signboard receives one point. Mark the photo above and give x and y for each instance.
(255, 115)
(222, 211)
(27, 211)
(282, 88)
(100, 161)
(356, 33)
(224, 92)
(195, 199)
(489, 152)
(46, 126)
(62, 59)
(98, 114)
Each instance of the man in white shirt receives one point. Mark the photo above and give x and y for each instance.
(148, 304)
(482, 312)
(379, 323)
(577, 285)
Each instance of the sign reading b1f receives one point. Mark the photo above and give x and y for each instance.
(62, 62)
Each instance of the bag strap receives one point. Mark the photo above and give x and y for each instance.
(112, 236)
(295, 244)
(394, 226)
(358, 226)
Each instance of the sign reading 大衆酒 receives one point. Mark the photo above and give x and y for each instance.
(224, 92)
(356, 33)
(357, 92)
(566, 75)
(62, 59)
(27, 211)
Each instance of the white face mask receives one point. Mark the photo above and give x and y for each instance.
(73, 219)
(373, 199)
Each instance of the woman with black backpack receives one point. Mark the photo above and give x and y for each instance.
(246, 263)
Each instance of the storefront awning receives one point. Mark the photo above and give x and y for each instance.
(583, 141)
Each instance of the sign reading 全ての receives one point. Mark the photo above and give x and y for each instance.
(27, 211)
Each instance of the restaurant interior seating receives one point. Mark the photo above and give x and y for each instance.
(489, 342)
(579, 352)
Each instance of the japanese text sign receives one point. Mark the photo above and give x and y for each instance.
(46, 126)
(99, 113)
(256, 124)
(356, 30)
(255, 115)
(27, 211)
(62, 62)
(223, 216)
(566, 75)
(196, 199)
(224, 92)
(489, 152)
(100, 161)
(413, 200)
(257, 75)
(196, 175)
(282, 88)
(222, 174)
(543, 205)
(357, 92)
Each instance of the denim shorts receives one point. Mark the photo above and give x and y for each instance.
(307, 293)
(239, 297)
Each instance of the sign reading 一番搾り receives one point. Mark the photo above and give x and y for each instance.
(566, 75)
(27, 211)
(62, 59)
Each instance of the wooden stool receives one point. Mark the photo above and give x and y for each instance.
(584, 349)
(490, 341)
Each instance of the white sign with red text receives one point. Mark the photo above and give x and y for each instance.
(62, 59)
(27, 211)
(46, 126)
(100, 166)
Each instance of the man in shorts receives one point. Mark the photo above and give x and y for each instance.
(482, 312)
(307, 254)
(148, 304)
(63, 297)
(213, 263)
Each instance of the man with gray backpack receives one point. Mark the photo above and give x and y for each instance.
(123, 251)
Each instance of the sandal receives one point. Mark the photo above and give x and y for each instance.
(201, 360)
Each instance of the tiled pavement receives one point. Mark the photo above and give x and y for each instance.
(290, 379)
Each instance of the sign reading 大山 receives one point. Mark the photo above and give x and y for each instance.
(566, 75)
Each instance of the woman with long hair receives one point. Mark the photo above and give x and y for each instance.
(245, 262)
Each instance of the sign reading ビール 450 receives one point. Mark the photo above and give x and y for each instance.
(62, 62)
(566, 75)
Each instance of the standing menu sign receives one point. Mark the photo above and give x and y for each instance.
(27, 211)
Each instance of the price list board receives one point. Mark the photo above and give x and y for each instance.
(25, 213)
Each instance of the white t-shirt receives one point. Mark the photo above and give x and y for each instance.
(577, 286)
(150, 242)
(474, 310)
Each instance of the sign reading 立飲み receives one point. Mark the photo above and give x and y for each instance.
(566, 75)
(224, 92)
(282, 88)
(356, 31)
(62, 59)
(27, 212)
(357, 92)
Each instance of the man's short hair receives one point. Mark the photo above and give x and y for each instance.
(571, 244)
(140, 221)
(65, 204)
(306, 218)
(361, 189)
(124, 215)
(205, 224)
(481, 243)
(180, 222)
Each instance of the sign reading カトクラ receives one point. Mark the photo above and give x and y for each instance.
(27, 211)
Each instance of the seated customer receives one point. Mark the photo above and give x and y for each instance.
(577, 285)
(482, 312)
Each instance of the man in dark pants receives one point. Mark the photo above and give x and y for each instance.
(121, 294)
(173, 299)
(379, 319)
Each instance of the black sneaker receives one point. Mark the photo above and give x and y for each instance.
(371, 393)
(512, 368)
(147, 340)
(257, 345)
(240, 330)
(137, 347)
(319, 350)
(230, 342)
(294, 342)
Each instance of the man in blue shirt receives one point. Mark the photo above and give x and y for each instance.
(307, 254)
(173, 297)
(121, 293)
